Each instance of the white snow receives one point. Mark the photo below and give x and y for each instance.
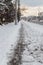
(8, 36)
(33, 54)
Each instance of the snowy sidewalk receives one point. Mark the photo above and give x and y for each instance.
(8, 36)
(22, 43)
(18, 51)
(29, 50)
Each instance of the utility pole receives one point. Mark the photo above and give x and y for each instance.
(18, 10)
(15, 12)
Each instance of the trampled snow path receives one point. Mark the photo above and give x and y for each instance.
(18, 51)
(28, 50)
(28, 47)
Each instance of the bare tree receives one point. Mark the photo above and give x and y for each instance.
(18, 10)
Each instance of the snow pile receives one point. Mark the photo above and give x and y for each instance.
(8, 36)
(33, 54)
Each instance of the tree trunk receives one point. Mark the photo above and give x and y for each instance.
(15, 12)
(18, 10)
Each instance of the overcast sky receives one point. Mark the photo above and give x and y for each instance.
(32, 2)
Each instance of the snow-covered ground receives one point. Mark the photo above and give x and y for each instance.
(33, 53)
(8, 36)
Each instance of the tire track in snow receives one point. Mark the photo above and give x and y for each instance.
(18, 52)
